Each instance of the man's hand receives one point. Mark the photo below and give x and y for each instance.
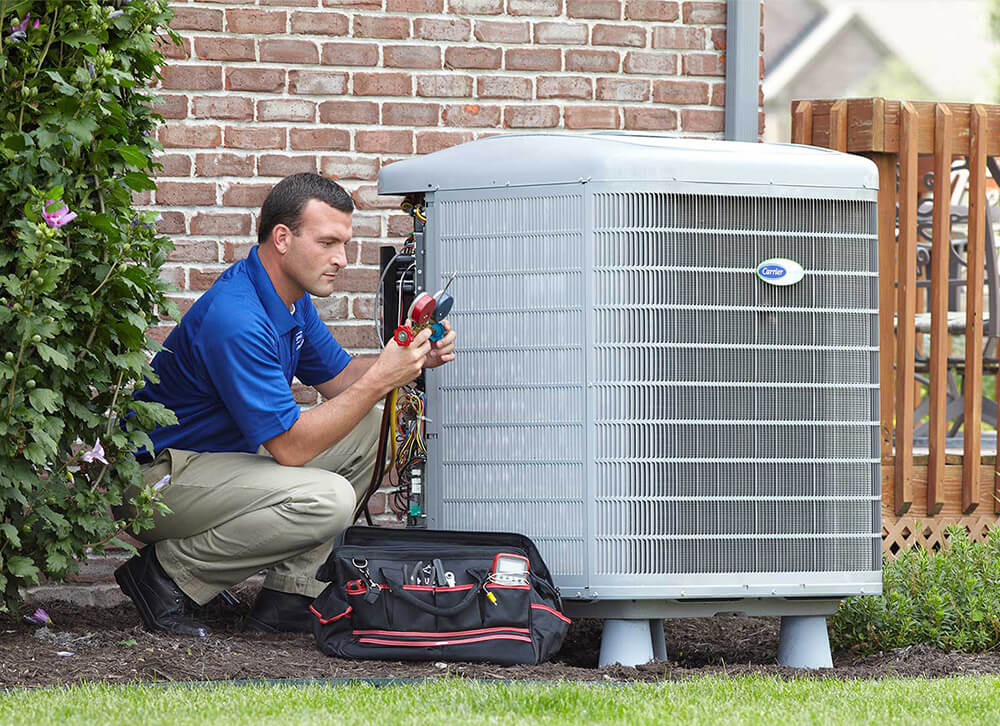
(443, 350)
(397, 365)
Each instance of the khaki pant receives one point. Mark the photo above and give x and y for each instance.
(235, 514)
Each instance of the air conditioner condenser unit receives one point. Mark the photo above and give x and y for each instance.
(667, 373)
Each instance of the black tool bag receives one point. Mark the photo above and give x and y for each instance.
(408, 594)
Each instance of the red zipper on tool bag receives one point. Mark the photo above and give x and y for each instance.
(446, 634)
(546, 608)
(427, 643)
(496, 586)
(439, 588)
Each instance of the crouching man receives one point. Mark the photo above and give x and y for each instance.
(255, 483)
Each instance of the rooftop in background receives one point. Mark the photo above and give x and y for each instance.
(914, 49)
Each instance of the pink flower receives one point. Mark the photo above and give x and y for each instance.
(39, 617)
(95, 453)
(158, 488)
(20, 31)
(58, 218)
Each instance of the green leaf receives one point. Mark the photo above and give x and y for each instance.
(51, 355)
(60, 84)
(80, 38)
(139, 182)
(82, 128)
(56, 562)
(139, 321)
(53, 517)
(41, 437)
(128, 547)
(134, 156)
(46, 137)
(15, 141)
(11, 531)
(138, 438)
(44, 400)
(52, 425)
(35, 454)
(23, 568)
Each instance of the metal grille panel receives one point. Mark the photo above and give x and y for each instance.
(736, 422)
(633, 398)
(513, 411)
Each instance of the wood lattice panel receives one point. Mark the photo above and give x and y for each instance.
(930, 534)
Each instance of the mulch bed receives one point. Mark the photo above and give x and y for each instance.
(109, 644)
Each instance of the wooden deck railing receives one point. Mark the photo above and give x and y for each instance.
(901, 137)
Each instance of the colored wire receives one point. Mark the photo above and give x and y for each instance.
(408, 429)
(392, 432)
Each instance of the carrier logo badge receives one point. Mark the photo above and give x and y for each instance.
(780, 271)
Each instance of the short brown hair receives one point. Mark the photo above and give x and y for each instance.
(285, 202)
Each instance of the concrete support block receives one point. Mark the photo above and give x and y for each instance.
(804, 642)
(627, 642)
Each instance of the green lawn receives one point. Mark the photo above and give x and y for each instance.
(745, 700)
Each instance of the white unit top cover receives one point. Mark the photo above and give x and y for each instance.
(511, 160)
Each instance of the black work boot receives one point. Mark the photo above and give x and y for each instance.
(280, 612)
(162, 605)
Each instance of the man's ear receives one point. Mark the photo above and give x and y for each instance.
(281, 236)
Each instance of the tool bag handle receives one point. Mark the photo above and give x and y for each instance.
(396, 588)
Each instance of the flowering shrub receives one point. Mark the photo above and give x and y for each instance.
(79, 277)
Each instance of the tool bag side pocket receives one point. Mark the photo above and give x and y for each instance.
(548, 626)
(333, 620)
(506, 605)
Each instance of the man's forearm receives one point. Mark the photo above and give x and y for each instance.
(321, 427)
(358, 366)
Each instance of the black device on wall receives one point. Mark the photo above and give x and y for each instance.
(398, 288)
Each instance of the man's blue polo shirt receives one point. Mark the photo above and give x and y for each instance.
(227, 368)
